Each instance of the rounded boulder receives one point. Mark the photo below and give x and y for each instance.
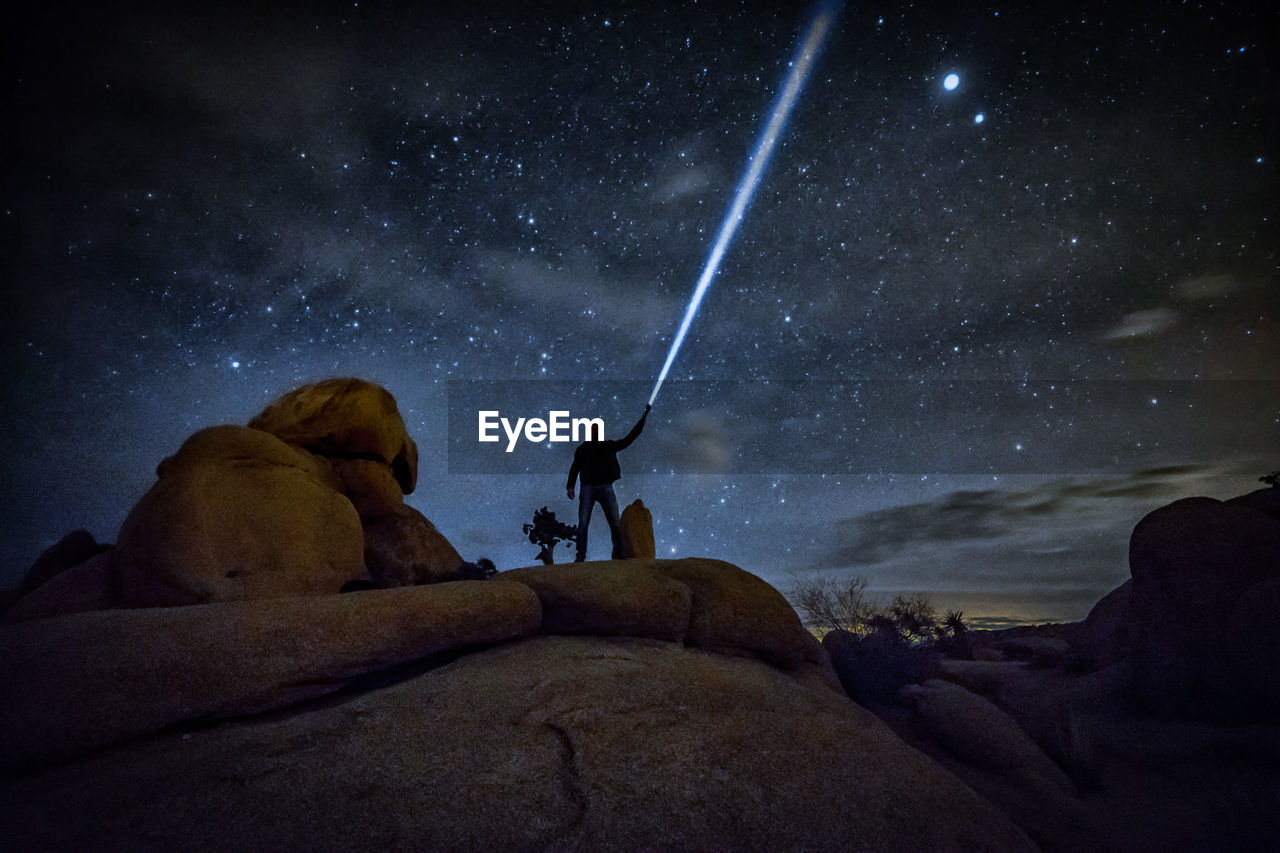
(237, 514)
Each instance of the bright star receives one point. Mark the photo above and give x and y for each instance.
(951, 81)
(979, 118)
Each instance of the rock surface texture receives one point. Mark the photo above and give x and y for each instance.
(637, 531)
(589, 735)
(238, 514)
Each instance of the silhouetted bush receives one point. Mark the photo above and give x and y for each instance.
(547, 531)
(877, 649)
(1272, 479)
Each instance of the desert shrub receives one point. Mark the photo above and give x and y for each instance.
(1272, 479)
(876, 649)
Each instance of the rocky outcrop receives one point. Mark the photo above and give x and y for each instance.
(71, 550)
(1195, 564)
(1103, 639)
(403, 548)
(637, 532)
(238, 514)
(619, 598)
(89, 680)
(553, 743)
(92, 585)
(345, 418)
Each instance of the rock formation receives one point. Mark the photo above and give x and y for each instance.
(622, 705)
(637, 531)
(345, 419)
(307, 500)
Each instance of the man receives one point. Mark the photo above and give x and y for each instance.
(596, 460)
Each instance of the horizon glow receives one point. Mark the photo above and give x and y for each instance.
(801, 63)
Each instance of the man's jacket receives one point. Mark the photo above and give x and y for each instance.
(597, 461)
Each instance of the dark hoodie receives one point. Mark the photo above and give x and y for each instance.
(597, 461)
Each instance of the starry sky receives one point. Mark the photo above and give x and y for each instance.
(971, 329)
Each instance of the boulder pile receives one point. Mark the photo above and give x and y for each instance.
(305, 500)
(639, 704)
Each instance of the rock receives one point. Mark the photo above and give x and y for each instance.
(637, 532)
(735, 612)
(370, 486)
(1103, 638)
(404, 548)
(616, 598)
(345, 418)
(88, 680)
(1252, 645)
(238, 514)
(553, 743)
(977, 732)
(987, 748)
(1193, 562)
(89, 586)
(1041, 651)
(1263, 500)
(71, 550)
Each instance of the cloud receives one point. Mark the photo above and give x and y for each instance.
(1048, 519)
(1140, 324)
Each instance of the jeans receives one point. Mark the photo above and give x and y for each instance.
(603, 495)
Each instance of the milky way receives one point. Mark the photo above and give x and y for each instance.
(1062, 271)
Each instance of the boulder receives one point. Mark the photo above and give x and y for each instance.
(1252, 645)
(81, 682)
(369, 485)
(344, 418)
(403, 548)
(71, 550)
(987, 748)
(1193, 562)
(637, 532)
(1102, 639)
(238, 514)
(617, 598)
(89, 586)
(1263, 500)
(977, 732)
(552, 743)
(735, 612)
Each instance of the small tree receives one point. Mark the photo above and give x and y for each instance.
(1272, 479)
(547, 531)
(833, 605)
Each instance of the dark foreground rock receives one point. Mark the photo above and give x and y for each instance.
(555, 743)
(662, 705)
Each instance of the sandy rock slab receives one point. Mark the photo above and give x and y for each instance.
(75, 683)
(552, 743)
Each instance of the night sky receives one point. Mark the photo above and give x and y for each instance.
(965, 339)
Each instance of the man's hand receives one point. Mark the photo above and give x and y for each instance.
(570, 491)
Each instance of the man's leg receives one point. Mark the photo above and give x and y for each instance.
(586, 499)
(609, 502)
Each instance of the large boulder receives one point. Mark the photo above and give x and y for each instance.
(1103, 638)
(370, 486)
(553, 743)
(1194, 562)
(92, 585)
(348, 418)
(403, 548)
(81, 682)
(71, 550)
(617, 598)
(238, 514)
(637, 532)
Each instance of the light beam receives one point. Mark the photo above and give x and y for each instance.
(803, 60)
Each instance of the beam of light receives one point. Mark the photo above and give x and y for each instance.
(800, 65)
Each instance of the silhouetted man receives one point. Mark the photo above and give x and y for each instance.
(596, 460)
